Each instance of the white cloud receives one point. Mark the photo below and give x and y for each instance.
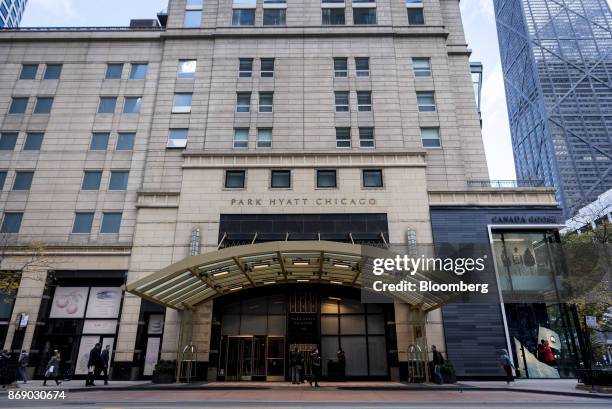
(61, 12)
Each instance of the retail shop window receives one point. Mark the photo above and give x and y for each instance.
(132, 105)
(193, 19)
(426, 101)
(266, 101)
(243, 102)
(362, 66)
(114, 71)
(235, 179)
(107, 105)
(23, 180)
(11, 223)
(421, 67)
(241, 138)
(118, 180)
(33, 141)
(125, 141)
(91, 180)
(342, 101)
(366, 137)
(99, 141)
(138, 71)
(430, 137)
(372, 178)
(53, 72)
(326, 179)
(343, 137)
(186, 69)
(182, 103)
(83, 222)
(267, 68)
(111, 222)
(245, 67)
(177, 138)
(280, 179)
(8, 140)
(364, 101)
(43, 105)
(28, 72)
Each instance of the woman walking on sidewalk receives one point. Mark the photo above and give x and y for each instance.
(53, 368)
(506, 363)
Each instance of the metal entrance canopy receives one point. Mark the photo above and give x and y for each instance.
(200, 278)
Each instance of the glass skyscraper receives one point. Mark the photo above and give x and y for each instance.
(11, 12)
(557, 62)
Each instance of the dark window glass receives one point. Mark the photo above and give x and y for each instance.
(362, 66)
(53, 72)
(415, 16)
(99, 141)
(111, 223)
(281, 179)
(332, 16)
(326, 178)
(8, 140)
(23, 180)
(243, 101)
(342, 101)
(243, 17)
(266, 101)
(267, 67)
(18, 105)
(2, 179)
(364, 101)
(193, 19)
(28, 71)
(340, 67)
(118, 180)
(107, 105)
(138, 72)
(343, 137)
(125, 141)
(372, 178)
(426, 101)
(43, 105)
(364, 15)
(11, 223)
(235, 179)
(33, 141)
(91, 180)
(113, 71)
(366, 137)
(82, 222)
(246, 67)
(274, 17)
(132, 105)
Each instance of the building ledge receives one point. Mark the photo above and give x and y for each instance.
(524, 196)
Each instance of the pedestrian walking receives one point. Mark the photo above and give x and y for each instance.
(7, 376)
(24, 360)
(53, 368)
(105, 356)
(506, 363)
(341, 359)
(315, 357)
(438, 362)
(94, 364)
(295, 361)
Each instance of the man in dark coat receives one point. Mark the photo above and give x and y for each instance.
(94, 364)
(105, 356)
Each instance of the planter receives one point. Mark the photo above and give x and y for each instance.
(162, 377)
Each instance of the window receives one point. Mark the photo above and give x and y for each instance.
(243, 101)
(11, 223)
(53, 72)
(111, 223)
(426, 101)
(266, 101)
(415, 12)
(267, 68)
(33, 141)
(18, 105)
(125, 141)
(430, 137)
(241, 138)
(364, 15)
(326, 178)
(364, 101)
(340, 67)
(234, 179)
(195, 4)
(23, 180)
(243, 17)
(107, 105)
(342, 101)
(82, 223)
(8, 140)
(274, 17)
(138, 71)
(2, 179)
(362, 66)
(43, 105)
(366, 137)
(182, 103)
(177, 138)
(132, 105)
(372, 178)
(332, 16)
(99, 141)
(193, 19)
(118, 180)
(28, 72)
(246, 67)
(280, 179)
(91, 180)
(186, 69)
(264, 137)
(421, 67)
(114, 71)
(343, 137)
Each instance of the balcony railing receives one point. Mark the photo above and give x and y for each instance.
(505, 184)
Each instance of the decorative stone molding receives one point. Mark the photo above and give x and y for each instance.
(148, 199)
(494, 197)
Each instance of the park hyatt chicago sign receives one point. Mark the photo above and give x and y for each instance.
(303, 201)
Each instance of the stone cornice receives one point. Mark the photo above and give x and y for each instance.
(541, 196)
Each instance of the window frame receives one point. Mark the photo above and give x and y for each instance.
(363, 178)
(137, 104)
(330, 17)
(182, 109)
(131, 144)
(347, 140)
(4, 227)
(237, 15)
(40, 103)
(365, 142)
(425, 108)
(124, 176)
(268, 108)
(357, 12)
(266, 73)
(37, 144)
(422, 72)
(11, 137)
(186, 75)
(171, 142)
(361, 73)
(280, 15)
(319, 172)
(236, 143)
(438, 139)
(33, 75)
(100, 105)
(342, 108)
(192, 18)
(258, 144)
(110, 214)
(364, 107)
(88, 221)
(245, 73)
(109, 70)
(59, 71)
(12, 111)
(340, 73)
(241, 108)
(285, 172)
(98, 181)
(134, 73)
(26, 184)
(227, 172)
(99, 134)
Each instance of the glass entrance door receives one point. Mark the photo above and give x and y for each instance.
(239, 358)
(252, 358)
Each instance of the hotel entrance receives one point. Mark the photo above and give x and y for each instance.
(246, 358)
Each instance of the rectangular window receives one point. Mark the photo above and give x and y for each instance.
(364, 101)
(182, 103)
(91, 180)
(421, 67)
(53, 72)
(362, 66)
(241, 138)
(28, 72)
(343, 137)
(274, 17)
(235, 179)
(125, 141)
(246, 67)
(8, 140)
(82, 223)
(264, 137)
(243, 101)
(331, 16)
(111, 223)
(340, 67)
(187, 69)
(2, 179)
(99, 141)
(243, 17)
(177, 138)
(326, 179)
(11, 223)
(33, 141)
(23, 180)
(138, 71)
(266, 100)
(107, 105)
(118, 180)
(43, 105)
(415, 12)
(426, 101)
(18, 105)
(193, 19)
(366, 137)
(195, 4)
(114, 71)
(132, 105)
(372, 178)
(342, 101)
(267, 68)
(430, 137)
(364, 15)
(280, 179)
